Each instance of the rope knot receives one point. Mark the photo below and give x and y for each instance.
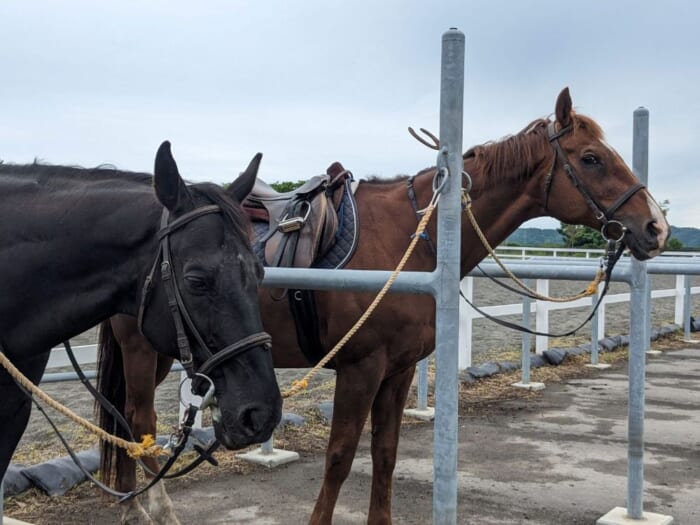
(147, 448)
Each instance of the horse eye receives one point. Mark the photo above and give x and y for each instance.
(197, 283)
(590, 160)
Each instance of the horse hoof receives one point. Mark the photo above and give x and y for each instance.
(135, 514)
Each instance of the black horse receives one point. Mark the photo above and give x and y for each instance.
(78, 246)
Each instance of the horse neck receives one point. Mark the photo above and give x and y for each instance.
(87, 244)
(504, 194)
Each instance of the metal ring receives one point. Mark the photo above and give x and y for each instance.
(468, 179)
(605, 233)
(442, 174)
(206, 398)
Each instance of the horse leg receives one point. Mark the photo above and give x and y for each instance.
(356, 386)
(16, 406)
(143, 370)
(160, 506)
(139, 375)
(387, 411)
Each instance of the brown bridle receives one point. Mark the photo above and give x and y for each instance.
(181, 316)
(603, 214)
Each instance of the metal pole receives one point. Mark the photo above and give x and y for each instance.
(422, 403)
(525, 351)
(447, 298)
(267, 447)
(594, 332)
(638, 345)
(686, 308)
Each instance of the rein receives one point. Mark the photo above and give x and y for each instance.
(164, 472)
(612, 255)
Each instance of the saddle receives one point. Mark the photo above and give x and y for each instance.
(302, 223)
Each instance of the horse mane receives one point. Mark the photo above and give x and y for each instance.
(48, 171)
(519, 153)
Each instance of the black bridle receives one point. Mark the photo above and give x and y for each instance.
(603, 214)
(181, 316)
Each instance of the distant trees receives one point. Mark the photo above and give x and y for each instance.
(284, 187)
(576, 236)
(584, 237)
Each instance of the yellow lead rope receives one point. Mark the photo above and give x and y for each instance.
(147, 447)
(591, 289)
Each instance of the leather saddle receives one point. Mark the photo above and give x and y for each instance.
(303, 222)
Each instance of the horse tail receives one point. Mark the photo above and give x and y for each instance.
(112, 385)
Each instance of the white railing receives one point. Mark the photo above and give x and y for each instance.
(541, 310)
(526, 252)
(87, 354)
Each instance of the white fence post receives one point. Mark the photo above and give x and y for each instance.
(542, 316)
(680, 298)
(466, 318)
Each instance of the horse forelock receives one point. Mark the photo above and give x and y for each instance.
(231, 209)
(582, 122)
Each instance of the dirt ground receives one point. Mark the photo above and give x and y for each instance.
(552, 457)
(240, 493)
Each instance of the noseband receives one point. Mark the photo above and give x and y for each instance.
(605, 215)
(181, 316)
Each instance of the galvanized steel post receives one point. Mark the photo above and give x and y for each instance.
(525, 347)
(686, 308)
(447, 298)
(638, 344)
(594, 331)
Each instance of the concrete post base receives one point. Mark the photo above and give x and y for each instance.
(618, 516)
(529, 386)
(426, 415)
(12, 521)
(269, 459)
(599, 366)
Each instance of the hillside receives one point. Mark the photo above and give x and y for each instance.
(690, 237)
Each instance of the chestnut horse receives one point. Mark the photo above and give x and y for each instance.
(561, 168)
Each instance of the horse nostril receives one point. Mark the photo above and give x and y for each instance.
(652, 229)
(254, 419)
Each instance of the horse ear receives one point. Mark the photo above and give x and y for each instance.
(563, 108)
(169, 186)
(240, 188)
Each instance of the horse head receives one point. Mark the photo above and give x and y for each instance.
(589, 183)
(203, 300)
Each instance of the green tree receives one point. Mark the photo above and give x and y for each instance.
(576, 236)
(674, 245)
(284, 187)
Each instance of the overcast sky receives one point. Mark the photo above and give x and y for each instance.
(310, 82)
